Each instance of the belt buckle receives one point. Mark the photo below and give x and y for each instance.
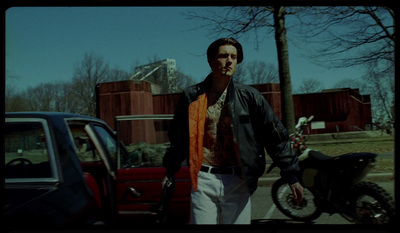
(215, 170)
(208, 168)
(233, 171)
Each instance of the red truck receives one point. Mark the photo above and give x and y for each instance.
(71, 169)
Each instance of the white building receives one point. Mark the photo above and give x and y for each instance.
(161, 73)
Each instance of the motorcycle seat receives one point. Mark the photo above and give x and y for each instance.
(314, 154)
(319, 158)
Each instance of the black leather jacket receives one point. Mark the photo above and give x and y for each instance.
(254, 125)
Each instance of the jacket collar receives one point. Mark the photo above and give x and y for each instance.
(208, 82)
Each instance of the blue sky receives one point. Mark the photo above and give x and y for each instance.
(43, 44)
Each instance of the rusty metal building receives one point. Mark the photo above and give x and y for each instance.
(334, 110)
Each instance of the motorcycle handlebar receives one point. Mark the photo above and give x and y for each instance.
(300, 126)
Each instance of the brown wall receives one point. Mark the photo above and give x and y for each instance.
(127, 98)
(340, 109)
(165, 104)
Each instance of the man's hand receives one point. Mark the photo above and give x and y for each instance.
(164, 181)
(168, 188)
(167, 180)
(298, 192)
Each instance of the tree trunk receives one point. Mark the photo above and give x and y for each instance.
(284, 72)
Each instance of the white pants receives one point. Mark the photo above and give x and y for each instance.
(220, 199)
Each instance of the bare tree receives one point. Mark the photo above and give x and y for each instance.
(43, 97)
(14, 100)
(353, 83)
(261, 72)
(117, 75)
(77, 96)
(284, 71)
(238, 21)
(380, 86)
(47, 97)
(183, 81)
(240, 73)
(310, 85)
(348, 36)
(40, 98)
(256, 72)
(64, 99)
(91, 71)
(357, 36)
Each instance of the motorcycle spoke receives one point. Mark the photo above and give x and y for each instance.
(371, 210)
(303, 209)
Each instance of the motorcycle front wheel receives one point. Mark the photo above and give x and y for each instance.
(372, 204)
(283, 198)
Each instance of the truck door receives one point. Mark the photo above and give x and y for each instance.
(140, 172)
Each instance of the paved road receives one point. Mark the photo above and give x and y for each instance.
(265, 212)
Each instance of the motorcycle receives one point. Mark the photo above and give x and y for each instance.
(333, 184)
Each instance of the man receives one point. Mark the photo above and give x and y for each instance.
(222, 128)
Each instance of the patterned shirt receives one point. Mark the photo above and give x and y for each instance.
(218, 148)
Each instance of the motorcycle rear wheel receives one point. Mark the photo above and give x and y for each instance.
(372, 204)
(284, 201)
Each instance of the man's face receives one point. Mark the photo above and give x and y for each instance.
(225, 61)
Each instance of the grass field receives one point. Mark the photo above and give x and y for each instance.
(374, 145)
(337, 147)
